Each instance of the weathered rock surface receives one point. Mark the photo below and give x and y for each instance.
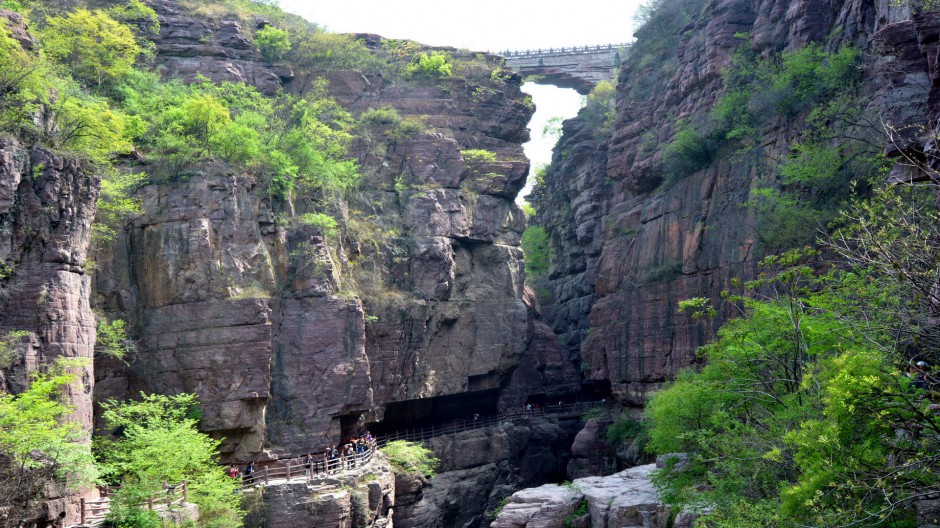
(47, 204)
(219, 50)
(262, 317)
(623, 500)
(545, 367)
(590, 453)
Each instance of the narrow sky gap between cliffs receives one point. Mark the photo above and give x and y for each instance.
(550, 101)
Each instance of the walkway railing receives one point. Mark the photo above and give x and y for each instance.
(575, 50)
(295, 468)
(94, 512)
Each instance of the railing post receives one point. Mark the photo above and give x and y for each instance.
(288, 470)
(265, 475)
(83, 511)
(185, 495)
(150, 502)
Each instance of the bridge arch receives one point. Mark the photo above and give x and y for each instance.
(579, 67)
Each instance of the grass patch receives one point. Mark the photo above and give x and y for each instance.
(411, 457)
(668, 270)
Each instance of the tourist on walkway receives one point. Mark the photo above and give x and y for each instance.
(233, 471)
(250, 473)
(308, 465)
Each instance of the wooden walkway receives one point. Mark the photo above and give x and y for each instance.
(94, 512)
(322, 474)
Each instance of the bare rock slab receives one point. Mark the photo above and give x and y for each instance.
(625, 499)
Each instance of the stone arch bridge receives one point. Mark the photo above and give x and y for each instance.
(579, 67)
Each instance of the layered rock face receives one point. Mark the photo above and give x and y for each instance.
(47, 204)
(189, 47)
(261, 316)
(626, 248)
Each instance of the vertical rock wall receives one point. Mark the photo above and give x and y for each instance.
(292, 338)
(627, 249)
(47, 204)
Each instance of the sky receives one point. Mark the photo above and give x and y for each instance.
(487, 25)
(478, 25)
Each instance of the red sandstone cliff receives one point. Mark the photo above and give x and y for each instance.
(626, 248)
(291, 340)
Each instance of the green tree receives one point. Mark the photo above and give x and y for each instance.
(40, 447)
(88, 125)
(435, 64)
(96, 48)
(111, 339)
(116, 203)
(536, 247)
(802, 414)
(142, 20)
(600, 109)
(273, 42)
(158, 441)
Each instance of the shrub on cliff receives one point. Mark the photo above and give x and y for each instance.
(410, 457)
(96, 48)
(599, 109)
(537, 249)
(274, 43)
(40, 447)
(435, 64)
(156, 439)
(803, 414)
(291, 141)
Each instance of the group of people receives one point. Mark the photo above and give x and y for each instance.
(342, 456)
(334, 458)
(248, 474)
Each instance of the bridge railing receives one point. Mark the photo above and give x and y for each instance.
(574, 50)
